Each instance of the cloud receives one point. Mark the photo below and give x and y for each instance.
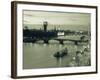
(62, 18)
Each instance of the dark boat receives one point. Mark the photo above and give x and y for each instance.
(61, 53)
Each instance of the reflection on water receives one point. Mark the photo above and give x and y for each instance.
(39, 55)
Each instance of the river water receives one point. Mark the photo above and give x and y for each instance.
(40, 55)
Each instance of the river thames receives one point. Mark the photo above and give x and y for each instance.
(40, 55)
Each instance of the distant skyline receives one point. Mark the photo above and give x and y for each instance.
(56, 18)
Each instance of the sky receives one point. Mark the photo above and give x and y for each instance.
(56, 18)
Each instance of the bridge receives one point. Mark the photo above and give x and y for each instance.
(60, 40)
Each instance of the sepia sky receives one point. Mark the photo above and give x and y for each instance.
(37, 17)
(66, 20)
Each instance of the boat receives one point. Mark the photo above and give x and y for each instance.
(62, 53)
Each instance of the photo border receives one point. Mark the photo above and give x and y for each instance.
(14, 37)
